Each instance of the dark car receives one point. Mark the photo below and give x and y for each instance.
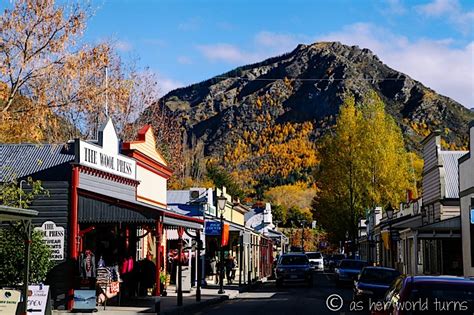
(335, 260)
(293, 268)
(427, 295)
(373, 282)
(348, 270)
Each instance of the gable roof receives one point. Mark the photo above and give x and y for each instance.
(450, 163)
(20, 160)
(146, 144)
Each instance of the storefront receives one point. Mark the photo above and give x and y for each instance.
(466, 195)
(100, 199)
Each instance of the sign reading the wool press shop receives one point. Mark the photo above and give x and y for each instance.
(53, 236)
(105, 155)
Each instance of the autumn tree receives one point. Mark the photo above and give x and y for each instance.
(363, 164)
(292, 201)
(54, 87)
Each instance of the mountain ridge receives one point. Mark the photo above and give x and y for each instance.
(309, 84)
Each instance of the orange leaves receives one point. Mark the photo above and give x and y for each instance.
(274, 152)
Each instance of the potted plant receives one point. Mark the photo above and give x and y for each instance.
(163, 283)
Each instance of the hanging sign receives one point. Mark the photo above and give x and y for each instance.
(9, 300)
(37, 299)
(472, 216)
(212, 228)
(53, 236)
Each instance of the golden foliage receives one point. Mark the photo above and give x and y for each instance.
(274, 152)
(363, 164)
(298, 195)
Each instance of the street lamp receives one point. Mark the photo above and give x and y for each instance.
(390, 211)
(221, 203)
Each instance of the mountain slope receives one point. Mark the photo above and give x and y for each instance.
(309, 84)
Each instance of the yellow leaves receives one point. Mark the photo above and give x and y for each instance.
(276, 151)
(298, 195)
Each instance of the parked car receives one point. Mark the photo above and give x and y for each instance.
(348, 270)
(294, 268)
(316, 260)
(335, 260)
(373, 282)
(428, 295)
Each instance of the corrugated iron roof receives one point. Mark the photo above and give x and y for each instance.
(450, 163)
(19, 160)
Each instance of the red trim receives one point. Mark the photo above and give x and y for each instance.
(140, 138)
(154, 170)
(153, 201)
(139, 156)
(74, 227)
(109, 176)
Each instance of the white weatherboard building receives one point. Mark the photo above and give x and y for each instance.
(466, 195)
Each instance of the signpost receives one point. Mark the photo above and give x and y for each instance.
(54, 237)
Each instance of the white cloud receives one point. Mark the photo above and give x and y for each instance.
(436, 63)
(452, 11)
(123, 45)
(166, 84)
(439, 7)
(192, 24)
(265, 45)
(394, 7)
(227, 53)
(184, 60)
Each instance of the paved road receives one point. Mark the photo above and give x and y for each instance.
(294, 300)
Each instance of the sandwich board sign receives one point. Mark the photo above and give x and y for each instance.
(9, 300)
(38, 300)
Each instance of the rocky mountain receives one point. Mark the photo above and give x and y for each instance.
(309, 84)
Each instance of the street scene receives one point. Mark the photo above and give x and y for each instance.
(235, 157)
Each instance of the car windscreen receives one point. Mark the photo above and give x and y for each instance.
(352, 264)
(294, 260)
(314, 255)
(378, 276)
(452, 296)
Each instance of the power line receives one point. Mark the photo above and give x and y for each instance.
(309, 80)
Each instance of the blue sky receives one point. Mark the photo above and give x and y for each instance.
(185, 42)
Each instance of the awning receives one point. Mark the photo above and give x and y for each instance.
(452, 224)
(97, 211)
(408, 223)
(16, 214)
(101, 210)
(181, 222)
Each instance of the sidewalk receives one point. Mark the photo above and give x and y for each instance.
(168, 304)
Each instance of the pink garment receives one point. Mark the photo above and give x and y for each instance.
(127, 265)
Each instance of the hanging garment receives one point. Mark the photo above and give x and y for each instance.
(87, 265)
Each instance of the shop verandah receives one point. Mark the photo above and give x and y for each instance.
(122, 247)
